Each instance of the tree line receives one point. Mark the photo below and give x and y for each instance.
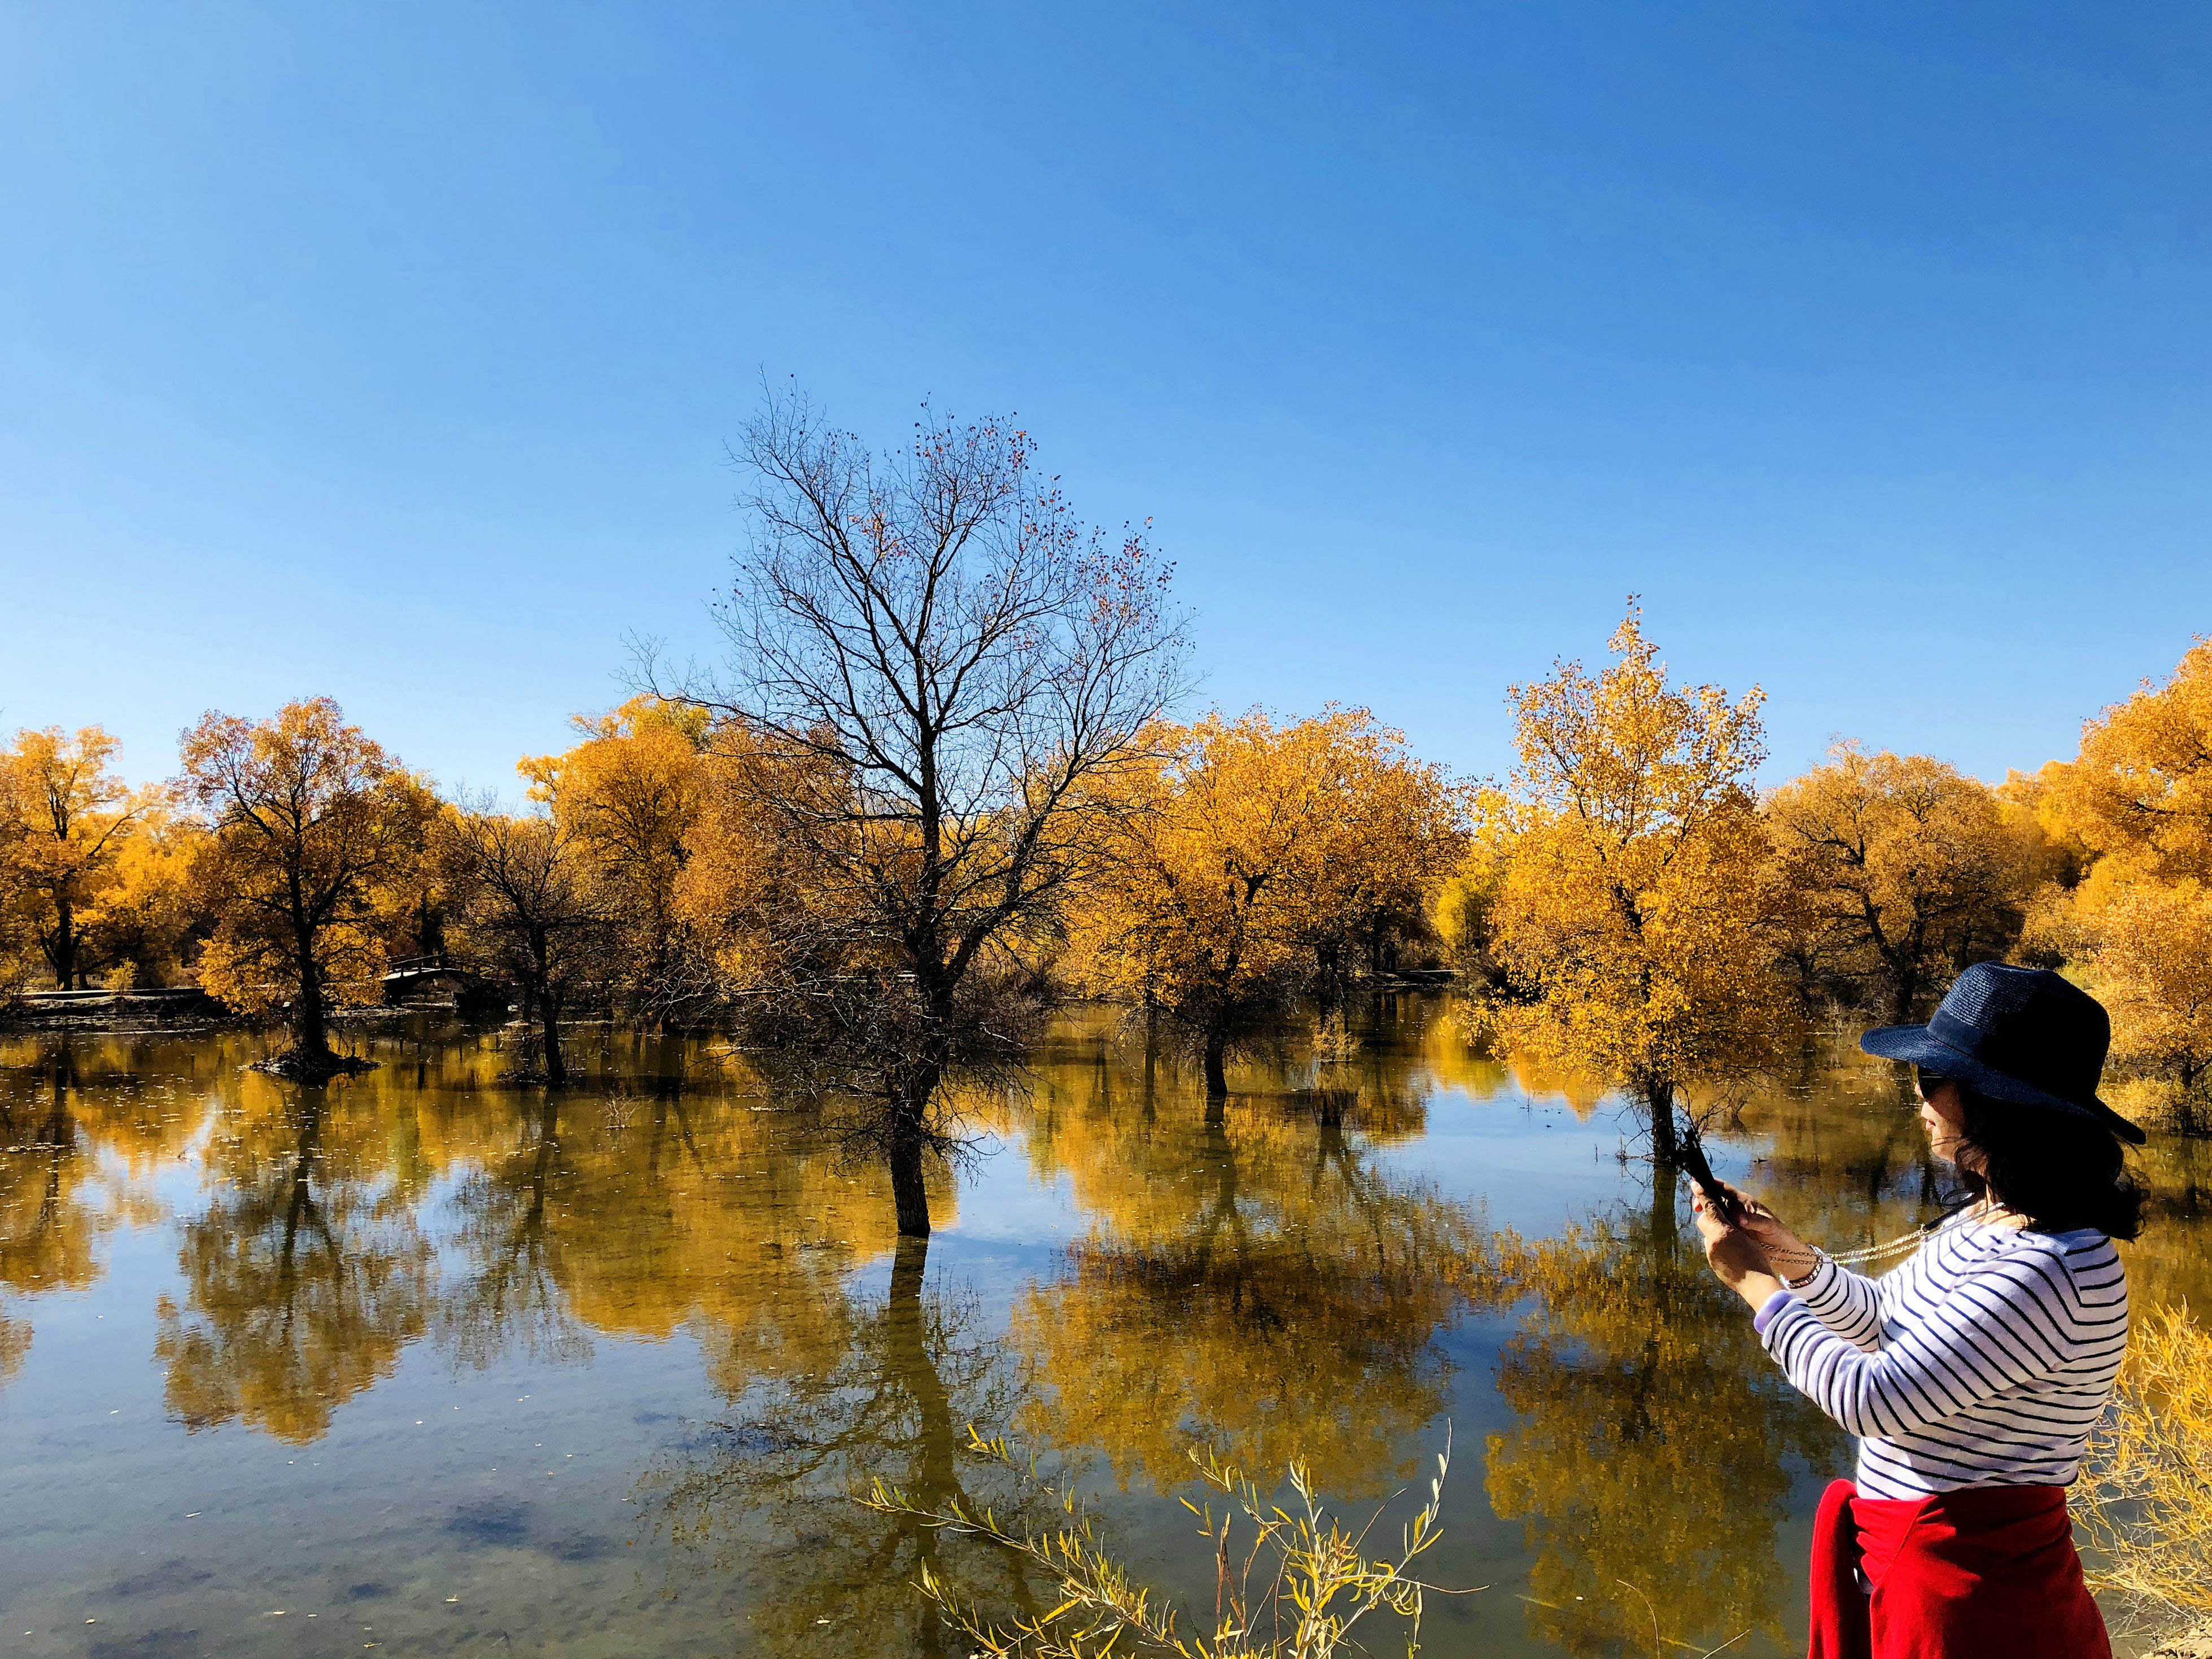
(1637, 911)
(938, 784)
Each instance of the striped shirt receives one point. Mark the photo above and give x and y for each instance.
(1981, 1362)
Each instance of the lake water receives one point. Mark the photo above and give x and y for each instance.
(429, 1364)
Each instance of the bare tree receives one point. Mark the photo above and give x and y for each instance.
(529, 904)
(939, 673)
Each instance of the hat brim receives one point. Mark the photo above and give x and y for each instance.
(1922, 1047)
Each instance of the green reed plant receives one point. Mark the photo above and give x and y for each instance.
(1290, 1582)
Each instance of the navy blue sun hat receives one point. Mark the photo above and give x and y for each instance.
(2023, 1035)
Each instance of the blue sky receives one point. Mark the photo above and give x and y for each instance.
(388, 351)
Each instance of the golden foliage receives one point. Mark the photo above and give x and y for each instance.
(2140, 789)
(2151, 964)
(314, 833)
(1257, 853)
(2148, 1497)
(1636, 919)
(2137, 923)
(142, 927)
(1905, 870)
(66, 822)
(631, 794)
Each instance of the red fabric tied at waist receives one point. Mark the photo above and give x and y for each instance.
(1989, 1572)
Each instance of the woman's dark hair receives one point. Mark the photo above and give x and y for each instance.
(2059, 1170)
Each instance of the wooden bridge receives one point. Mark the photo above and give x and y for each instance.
(423, 979)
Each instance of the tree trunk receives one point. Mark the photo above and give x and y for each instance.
(1903, 995)
(1666, 1144)
(64, 959)
(556, 1069)
(1216, 1055)
(1151, 1058)
(308, 1034)
(908, 1193)
(1666, 1229)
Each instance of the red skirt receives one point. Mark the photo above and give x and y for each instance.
(1989, 1572)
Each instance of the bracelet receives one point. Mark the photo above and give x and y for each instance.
(1810, 1272)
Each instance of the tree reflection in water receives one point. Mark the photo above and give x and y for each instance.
(770, 1488)
(59, 1102)
(305, 1274)
(1649, 1461)
(1253, 1281)
(1253, 1278)
(1260, 1271)
(510, 1297)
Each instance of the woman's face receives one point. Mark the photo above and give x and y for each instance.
(1941, 1116)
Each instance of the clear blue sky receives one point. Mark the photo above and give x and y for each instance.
(388, 351)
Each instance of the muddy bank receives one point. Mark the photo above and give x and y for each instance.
(103, 1011)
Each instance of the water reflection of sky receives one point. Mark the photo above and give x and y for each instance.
(595, 1383)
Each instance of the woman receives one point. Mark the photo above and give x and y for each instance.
(1971, 1375)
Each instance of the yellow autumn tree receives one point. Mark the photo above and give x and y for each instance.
(2137, 801)
(1905, 870)
(313, 833)
(1636, 924)
(1399, 835)
(629, 794)
(144, 927)
(2140, 789)
(1255, 855)
(2152, 962)
(760, 908)
(528, 909)
(64, 821)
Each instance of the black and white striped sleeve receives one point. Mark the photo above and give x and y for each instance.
(2013, 1319)
(1848, 1303)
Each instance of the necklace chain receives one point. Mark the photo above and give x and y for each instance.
(1898, 1246)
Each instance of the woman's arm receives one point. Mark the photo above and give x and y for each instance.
(1848, 1303)
(1995, 1328)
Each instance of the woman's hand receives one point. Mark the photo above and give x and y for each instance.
(1738, 1260)
(1787, 1255)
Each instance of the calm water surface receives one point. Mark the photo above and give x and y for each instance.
(429, 1364)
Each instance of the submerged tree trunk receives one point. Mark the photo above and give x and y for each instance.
(905, 1151)
(549, 1023)
(556, 1069)
(1666, 1230)
(309, 1035)
(1216, 1055)
(1659, 1106)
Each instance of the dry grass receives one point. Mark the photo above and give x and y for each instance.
(1289, 1583)
(2147, 1497)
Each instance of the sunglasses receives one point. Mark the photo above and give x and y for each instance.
(1928, 1081)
